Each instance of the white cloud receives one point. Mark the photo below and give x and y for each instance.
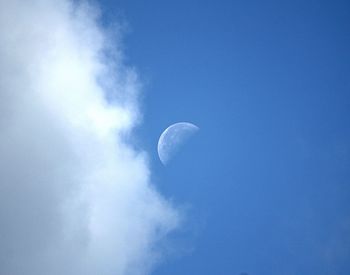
(75, 197)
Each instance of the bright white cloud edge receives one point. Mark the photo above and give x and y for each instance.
(75, 197)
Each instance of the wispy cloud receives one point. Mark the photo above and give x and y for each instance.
(75, 197)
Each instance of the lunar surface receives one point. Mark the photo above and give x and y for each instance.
(172, 138)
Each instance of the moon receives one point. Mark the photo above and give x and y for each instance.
(172, 138)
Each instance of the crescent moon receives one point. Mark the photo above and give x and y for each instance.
(172, 138)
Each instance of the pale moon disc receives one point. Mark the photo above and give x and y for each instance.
(172, 138)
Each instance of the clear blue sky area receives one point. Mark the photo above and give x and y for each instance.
(265, 184)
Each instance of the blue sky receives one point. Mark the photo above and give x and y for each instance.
(266, 180)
